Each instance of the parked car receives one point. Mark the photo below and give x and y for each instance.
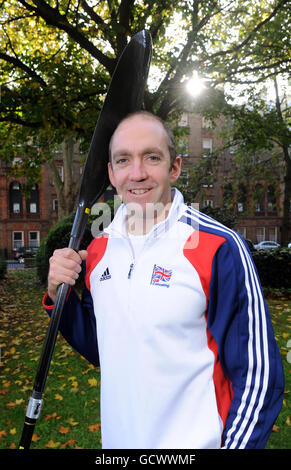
(267, 245)
(24, 252)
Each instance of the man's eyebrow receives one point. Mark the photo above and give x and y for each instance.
(126, 152)
(120, 153)
(152, 150)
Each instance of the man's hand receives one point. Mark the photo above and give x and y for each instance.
(65, 267)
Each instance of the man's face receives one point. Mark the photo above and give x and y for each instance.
(140, 162)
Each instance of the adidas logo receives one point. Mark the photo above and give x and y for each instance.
(106, 275)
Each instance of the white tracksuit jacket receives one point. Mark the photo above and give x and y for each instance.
(182, 334)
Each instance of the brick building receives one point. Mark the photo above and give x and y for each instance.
(24, 221)
(258, 208)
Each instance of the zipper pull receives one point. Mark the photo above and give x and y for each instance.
(130, 271)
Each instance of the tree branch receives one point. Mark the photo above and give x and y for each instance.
(21, 122)
(19, 64)
(54, 18)
(252, 33)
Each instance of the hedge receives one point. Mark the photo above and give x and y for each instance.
(274, 267)
(58, 237)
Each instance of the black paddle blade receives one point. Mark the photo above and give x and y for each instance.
(125, 95)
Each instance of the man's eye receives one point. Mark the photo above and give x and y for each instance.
(154, 157)
(121, 161)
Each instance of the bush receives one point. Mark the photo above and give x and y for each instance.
(58, 237)
(274, 267)
(3, 268)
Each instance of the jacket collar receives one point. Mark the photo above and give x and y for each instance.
(118, 226)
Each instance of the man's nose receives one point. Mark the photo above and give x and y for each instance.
(138, 170)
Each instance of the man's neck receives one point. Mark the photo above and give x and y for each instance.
(142, 225)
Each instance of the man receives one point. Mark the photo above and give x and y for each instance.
(173, 306)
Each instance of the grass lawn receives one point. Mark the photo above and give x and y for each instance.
(70, 414)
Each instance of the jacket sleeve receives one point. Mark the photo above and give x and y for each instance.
(239, 321)
(78, 323)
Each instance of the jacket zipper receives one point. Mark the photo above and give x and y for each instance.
(130, 270)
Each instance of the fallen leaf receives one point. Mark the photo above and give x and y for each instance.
(35, 438)
(58, 396)
(52, 416)
(10, 404)
(3, 433)
(51, 444)
(92, 382)
(71, 442)
(94, 427)
(64, 430)
(13, 431)
(276, 428)
(72, 422)
(19, 401)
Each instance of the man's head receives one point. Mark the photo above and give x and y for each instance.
(143, 162)
(167, 129)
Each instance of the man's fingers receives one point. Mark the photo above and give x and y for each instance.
(65, 267)
(83, 254)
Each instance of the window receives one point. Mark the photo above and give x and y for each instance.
(206, 123)
(32, 208)
(15, 185)
(61, 172)
(259, 199)
(55, 205)
(17, 239)
(208, 203)
(33, 240)
(241, 198)
(15, 198)
(260, 234)
(16, 208)
(271, 199)
(184, 120)
(207, 144)
(273, 234)
(242, 231)
(32, 203)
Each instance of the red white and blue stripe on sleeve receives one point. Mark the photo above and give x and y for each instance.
(239, 322)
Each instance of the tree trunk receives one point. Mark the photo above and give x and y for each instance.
(286, 226)
(67, 190)
(285, 143)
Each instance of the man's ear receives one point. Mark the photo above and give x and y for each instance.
(176, 169)
(111, 174)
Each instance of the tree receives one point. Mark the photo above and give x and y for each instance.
(58, 56)
(261, 134)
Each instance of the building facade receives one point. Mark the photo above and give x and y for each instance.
(256, 204)
(25, 219)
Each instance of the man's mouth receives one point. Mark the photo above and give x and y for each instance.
(139, 191)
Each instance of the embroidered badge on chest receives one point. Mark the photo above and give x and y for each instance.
(161, 276)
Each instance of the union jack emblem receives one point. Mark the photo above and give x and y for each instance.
(161, 276)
